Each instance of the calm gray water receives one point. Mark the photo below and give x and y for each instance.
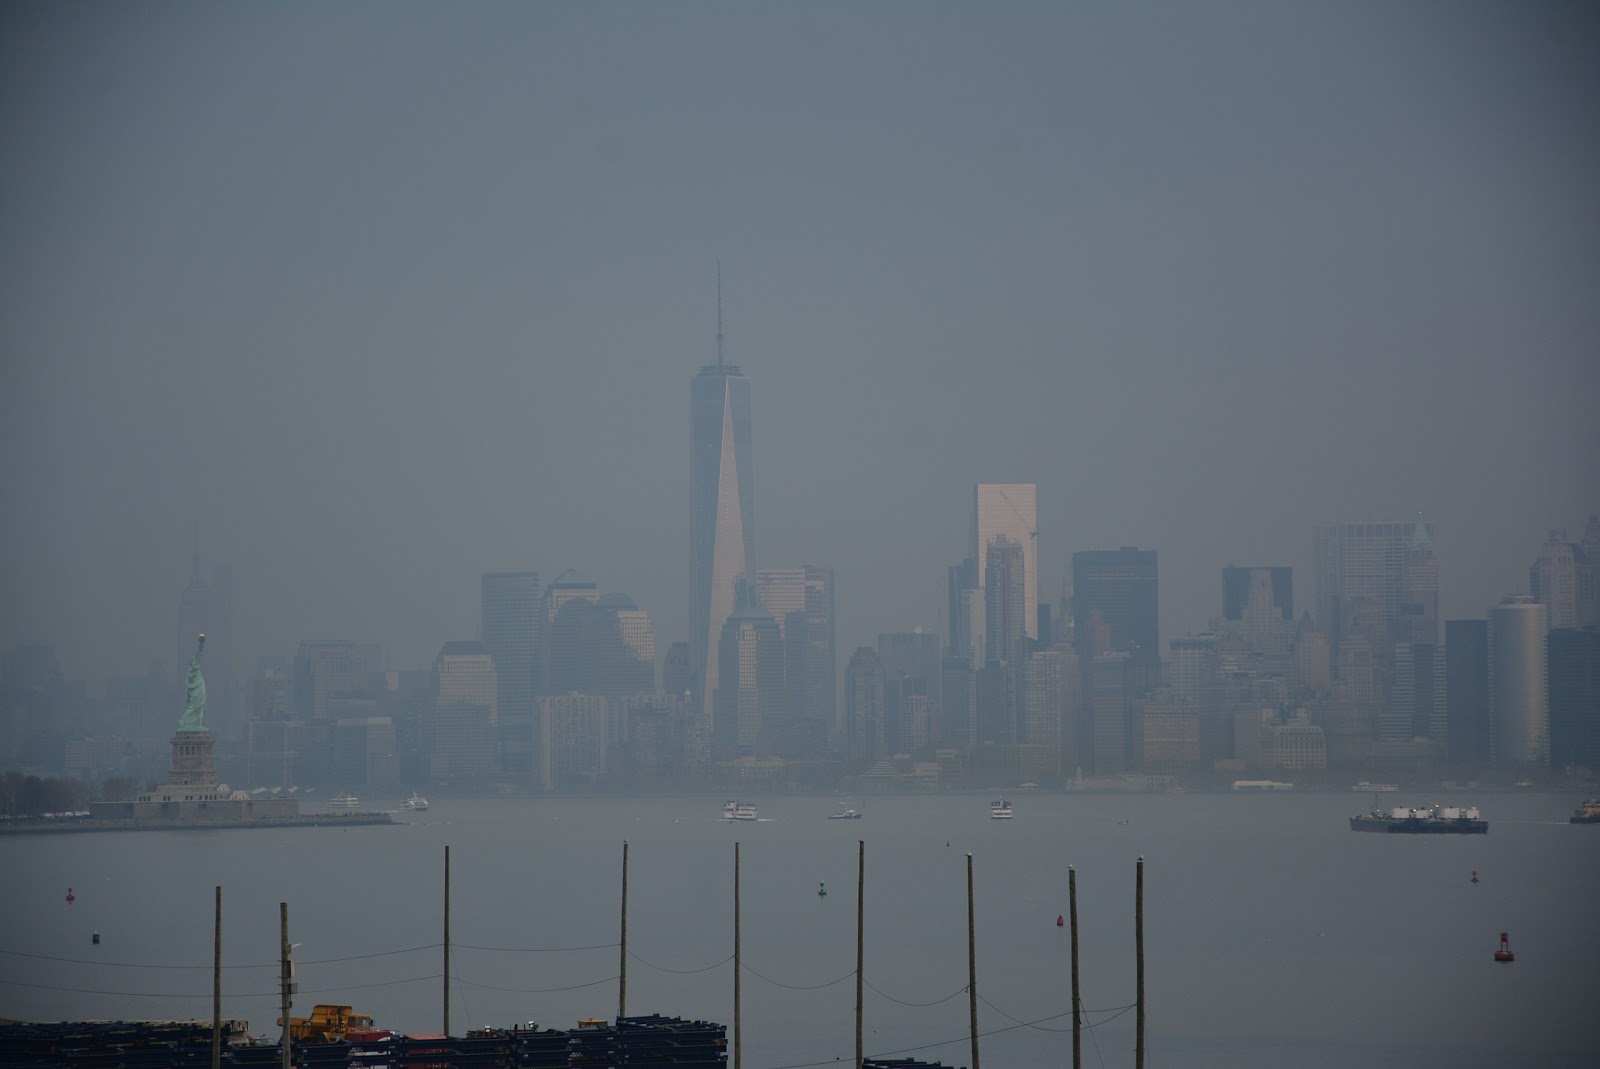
(1274, 935)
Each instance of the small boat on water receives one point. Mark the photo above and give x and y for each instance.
(416, 801)
(345, 801)
(736, 810)
(844, 812)
(1000, 810)
(1587, 813)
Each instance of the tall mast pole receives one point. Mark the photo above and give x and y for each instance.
(738, 1032)
(447, 940)
(285, 971)
(972, 968)
(622, 984)
(861, 915)
(1138, 949)
(1077, 1003)
(216, 986)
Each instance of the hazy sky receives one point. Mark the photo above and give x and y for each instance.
(389, 295)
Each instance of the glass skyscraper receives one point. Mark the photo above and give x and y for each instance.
(721, 510)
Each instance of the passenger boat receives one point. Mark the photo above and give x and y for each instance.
(1587, 813)
(416, 801)
(1376, 788)
(735, 810)
(845, 813)
(345, 801)
(1000, 810)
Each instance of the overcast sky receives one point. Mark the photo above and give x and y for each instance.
(385, 296)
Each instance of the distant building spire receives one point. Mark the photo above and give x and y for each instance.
(719, 314)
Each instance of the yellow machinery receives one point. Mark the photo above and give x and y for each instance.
(327, 1024)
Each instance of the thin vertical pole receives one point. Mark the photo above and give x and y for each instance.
(972, 967)
(738, 1031)
(622, 982)
(1077, 1002)
(1138, 949)
(283, 975)
(216, 986)
(447, 940)
(861, 916)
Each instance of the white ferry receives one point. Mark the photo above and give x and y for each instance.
(1261, 785)
(1376, 788)
(416, 801)
(1000, 810)
(345, 801)
(734, 810)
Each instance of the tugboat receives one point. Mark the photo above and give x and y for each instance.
(1436, 820)
(1587, 813)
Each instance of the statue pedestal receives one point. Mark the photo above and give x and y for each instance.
(194, 762)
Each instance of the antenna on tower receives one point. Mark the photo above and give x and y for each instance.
(719, 313)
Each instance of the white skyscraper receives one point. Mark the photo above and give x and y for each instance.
(1009, 510)
(1519, 684)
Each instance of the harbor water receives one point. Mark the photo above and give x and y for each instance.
(1274, 935)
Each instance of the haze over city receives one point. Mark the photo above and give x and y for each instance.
(384, 300)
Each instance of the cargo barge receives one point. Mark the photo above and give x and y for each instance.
(1435, 820)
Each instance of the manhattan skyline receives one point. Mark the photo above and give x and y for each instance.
(1205, 277)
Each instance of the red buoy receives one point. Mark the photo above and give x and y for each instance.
(1504, 953)
(70, 896)
(1059, 920)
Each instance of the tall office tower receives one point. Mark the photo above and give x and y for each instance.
(1416, 708)
(622, 648)
(676, 674)
(511, 631)
(569, 608)
(962, 578)
(1519, 695)
(1373, 561)
(1009, 510)
(910, 663)
(1466, 656)
(1192, 671)
(748, 705)
(1005, 600)
(863, 707)
(325, 669)
(1119, 587)
(722, 520)
(464, 736)
(801, 600)
(1108, 683)
(1574, 659)
(1238, 583)
(574, 740)
(1563, 578)
(1050, 707)
(958, 703)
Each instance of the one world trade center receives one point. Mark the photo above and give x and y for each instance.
(721, 508)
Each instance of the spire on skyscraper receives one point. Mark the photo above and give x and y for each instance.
(720, 360)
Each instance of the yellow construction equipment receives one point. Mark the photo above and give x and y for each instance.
(327, 1024)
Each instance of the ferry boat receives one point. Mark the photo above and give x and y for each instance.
(416, 801)
(735, 810)
(345, 801)
(1000, 810)
(1376, 788)
(845, 813)
(1587, 813)
(1261, 785)
(1435, 820)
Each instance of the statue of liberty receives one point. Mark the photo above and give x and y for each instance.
(194, 711)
